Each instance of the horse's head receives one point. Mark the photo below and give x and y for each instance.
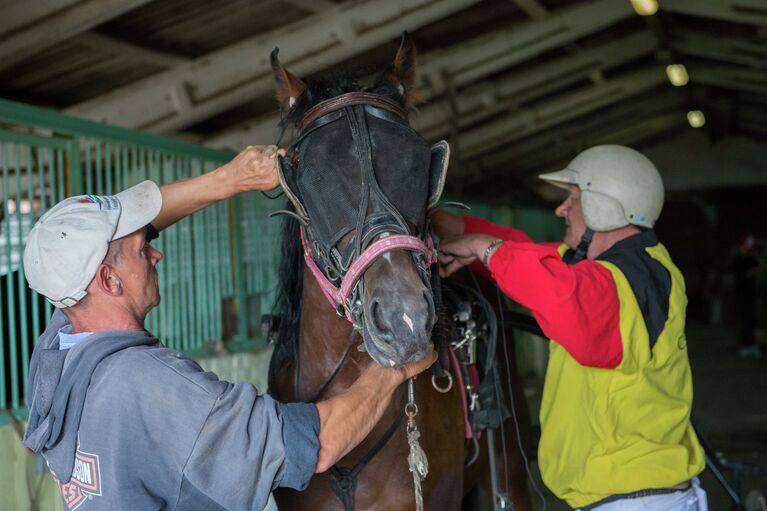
(361, 181)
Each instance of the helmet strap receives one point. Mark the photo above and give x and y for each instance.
(583, 247)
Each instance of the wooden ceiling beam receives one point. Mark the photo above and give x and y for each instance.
(117, 47)
(532, 8)
(241, 72)
(751, 12)
(559, 110)
(58, 22)
(730, 49)
(568, 134)
(312, 5)
(730, 77)
(474, 60)
(484, 100)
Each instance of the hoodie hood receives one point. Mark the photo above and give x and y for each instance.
(58, 383)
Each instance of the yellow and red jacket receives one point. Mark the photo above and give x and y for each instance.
(615, 412)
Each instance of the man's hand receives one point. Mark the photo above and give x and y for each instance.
(395, 376)
(346, 419)
(255, 168)
(459, 251)
(414, 368)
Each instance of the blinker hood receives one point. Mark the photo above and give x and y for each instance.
(359, 157)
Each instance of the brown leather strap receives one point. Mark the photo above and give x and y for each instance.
(350, 99)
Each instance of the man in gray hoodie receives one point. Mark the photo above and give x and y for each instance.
(125, 423)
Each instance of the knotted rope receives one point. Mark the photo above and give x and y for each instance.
(416, 459)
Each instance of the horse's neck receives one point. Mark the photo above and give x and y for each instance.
(322, 338)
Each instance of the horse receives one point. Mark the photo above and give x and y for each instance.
(360, 182)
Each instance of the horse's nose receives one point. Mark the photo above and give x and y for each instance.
(400, 324)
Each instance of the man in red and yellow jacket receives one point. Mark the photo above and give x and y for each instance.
(615, 412)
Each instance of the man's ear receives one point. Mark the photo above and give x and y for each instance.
(107, 281)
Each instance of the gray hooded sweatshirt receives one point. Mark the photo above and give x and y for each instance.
(127, 424)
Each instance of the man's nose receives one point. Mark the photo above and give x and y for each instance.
(157, 256)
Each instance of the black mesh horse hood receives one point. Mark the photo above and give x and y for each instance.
(362, 157)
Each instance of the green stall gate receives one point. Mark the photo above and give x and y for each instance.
(220, 265)
(219, 273)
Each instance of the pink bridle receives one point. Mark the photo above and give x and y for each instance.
(339, 296)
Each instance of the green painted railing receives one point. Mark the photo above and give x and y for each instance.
(219, 263)
(219, 272)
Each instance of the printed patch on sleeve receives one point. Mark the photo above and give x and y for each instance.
(85, 482)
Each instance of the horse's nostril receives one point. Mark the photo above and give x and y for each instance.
(379, 324)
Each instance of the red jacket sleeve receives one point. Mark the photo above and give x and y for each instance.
(576, 305)
(477, 225)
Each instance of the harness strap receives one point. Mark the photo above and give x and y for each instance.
(313, 397)
(328, 289)
(467, 431)
(583, 247)
(387, 244)
(343, 480)
(351, 99)
(339, 296)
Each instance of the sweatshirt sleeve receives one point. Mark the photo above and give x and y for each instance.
(576, 305)
(249, 445)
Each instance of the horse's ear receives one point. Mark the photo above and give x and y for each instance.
(401, 73)
(289, 87)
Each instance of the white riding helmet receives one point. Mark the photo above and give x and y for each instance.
(619, 186)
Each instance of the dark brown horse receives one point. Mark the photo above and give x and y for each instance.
(357, 176)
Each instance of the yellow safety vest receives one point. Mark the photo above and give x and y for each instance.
(615, 431)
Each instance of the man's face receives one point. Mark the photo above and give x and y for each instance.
(136, 268)
(572, 212)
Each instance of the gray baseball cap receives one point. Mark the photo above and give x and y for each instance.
(69, 242)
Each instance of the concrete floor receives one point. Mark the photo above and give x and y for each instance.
(730, 410)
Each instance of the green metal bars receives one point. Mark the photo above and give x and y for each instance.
(32, 170)
(217, 263)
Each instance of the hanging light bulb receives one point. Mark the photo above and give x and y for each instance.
(696, 118)
(677, 74)
(645, 7)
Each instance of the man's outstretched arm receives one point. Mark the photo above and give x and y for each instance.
(252, 169)
(345, 420)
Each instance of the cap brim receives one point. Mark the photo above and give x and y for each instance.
(561, 178)
(139, 205)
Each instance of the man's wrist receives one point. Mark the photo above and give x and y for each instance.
(225, 182)
(490, 250)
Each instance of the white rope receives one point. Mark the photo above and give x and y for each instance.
(418, 464)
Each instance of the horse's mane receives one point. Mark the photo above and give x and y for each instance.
(288, 305)
(291, 272)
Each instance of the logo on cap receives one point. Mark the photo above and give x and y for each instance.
(103, 201)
